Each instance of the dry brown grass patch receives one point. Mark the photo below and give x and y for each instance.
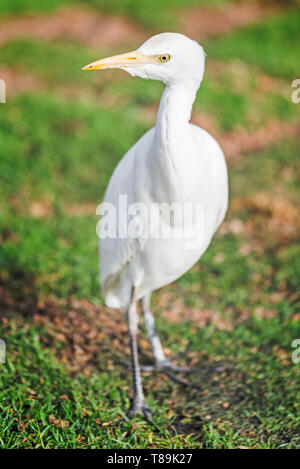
(78, 23)
(205, 22)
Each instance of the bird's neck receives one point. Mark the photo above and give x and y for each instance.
(173, 139)
(175, 109)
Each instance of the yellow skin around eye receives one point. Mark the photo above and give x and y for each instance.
(164, 58)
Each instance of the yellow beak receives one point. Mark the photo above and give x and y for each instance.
(130, 59)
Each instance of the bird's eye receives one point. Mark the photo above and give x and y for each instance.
(164, 58)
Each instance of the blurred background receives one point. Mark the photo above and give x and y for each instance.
(62, 132)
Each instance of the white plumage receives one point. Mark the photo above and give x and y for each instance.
(174, 162)
(146, 174)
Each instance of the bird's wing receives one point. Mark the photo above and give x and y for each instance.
(215, 156)
(125, 188)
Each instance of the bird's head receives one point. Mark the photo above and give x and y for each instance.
(168, 57)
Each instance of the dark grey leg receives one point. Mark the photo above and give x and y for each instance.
(138, 405)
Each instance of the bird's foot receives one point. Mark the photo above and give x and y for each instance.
(139, 407)
(165, 363)
(168, 365)
(168, 368)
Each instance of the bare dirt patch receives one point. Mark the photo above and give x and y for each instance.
(240, 73)
(274, 218)
(86, 337)
(205, 121)
(83, 335)
(85, 208)
(205, 22)
(242, 141)
(19, 81)
(40, 208)
(174, 310)
(76, 23)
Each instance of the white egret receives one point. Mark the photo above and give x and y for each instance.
(174, 162)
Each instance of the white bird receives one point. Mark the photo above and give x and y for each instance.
(175, 162)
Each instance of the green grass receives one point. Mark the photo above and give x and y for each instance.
(54, 256)
(32, 386)
(269, 45)
(64, 159)
(53, 62)
(46, 159)
(264, 168)
(13, 7)
(58, 256)
(155, 14)
(59, 65)
(262, 390)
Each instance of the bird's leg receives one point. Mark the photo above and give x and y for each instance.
(157, 350)
(138, 405)
(161, 362)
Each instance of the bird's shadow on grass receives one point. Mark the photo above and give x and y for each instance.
(18, 291)
(220, 391)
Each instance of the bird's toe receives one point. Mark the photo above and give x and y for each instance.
(141, 408)
(171, 366)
